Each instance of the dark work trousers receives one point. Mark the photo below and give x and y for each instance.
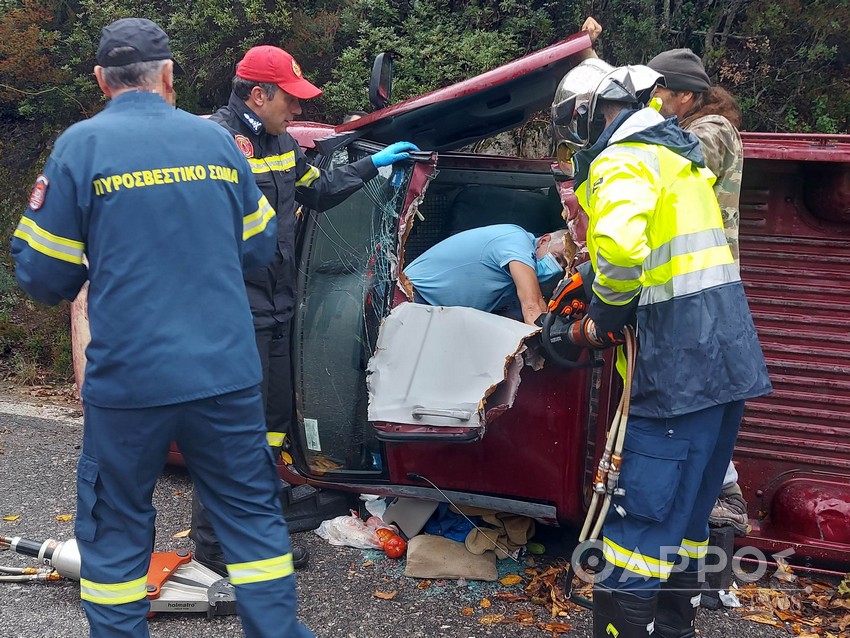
(222, 439)
(274, 346)
(672, 471)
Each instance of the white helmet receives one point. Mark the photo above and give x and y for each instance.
(574, 115)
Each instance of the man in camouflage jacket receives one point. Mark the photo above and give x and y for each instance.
(710, 113)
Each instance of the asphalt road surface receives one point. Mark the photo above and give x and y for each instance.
(38, 455)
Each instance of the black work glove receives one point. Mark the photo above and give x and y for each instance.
(585, 334)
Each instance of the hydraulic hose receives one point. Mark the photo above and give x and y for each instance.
(608, 470)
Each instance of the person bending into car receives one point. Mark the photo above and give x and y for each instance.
(662, 263)
(167, 227)
(266, 98)
(495, 268)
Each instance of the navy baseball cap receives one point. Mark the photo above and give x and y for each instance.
(132, 40)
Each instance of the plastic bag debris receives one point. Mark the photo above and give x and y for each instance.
(375, 505)
(728, 599)
(352, 531)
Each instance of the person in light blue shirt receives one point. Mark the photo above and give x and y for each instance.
(490, 268)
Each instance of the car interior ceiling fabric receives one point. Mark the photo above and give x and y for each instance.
(484, 205)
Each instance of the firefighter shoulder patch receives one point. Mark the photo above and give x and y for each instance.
(245, 146)
(39, 192)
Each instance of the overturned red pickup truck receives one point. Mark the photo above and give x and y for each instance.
(534, 452)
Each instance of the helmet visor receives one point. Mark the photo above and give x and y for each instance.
(567, 121)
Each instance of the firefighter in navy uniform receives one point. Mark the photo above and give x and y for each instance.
(662, 263)
(265, 100)
(167, 228)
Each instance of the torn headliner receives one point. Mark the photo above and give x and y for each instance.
(437, 366)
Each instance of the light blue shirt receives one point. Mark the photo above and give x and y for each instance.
(471, 268)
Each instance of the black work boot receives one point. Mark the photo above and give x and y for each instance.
(208, 550)
(620, 614)
(678, 602)
(300, 556)
(213, 558)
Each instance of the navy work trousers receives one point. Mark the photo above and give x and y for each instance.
(672, 472)
(223, 440)
(273, 344)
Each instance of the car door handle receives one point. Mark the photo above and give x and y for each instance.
(461, 415)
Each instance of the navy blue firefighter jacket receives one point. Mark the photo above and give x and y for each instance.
(287, 179)
(166, 211)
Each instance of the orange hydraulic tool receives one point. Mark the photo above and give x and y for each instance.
(176, 583)
(569, 298)
(569, 303)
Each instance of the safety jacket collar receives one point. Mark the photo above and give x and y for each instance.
(246, 115)
(646, 126)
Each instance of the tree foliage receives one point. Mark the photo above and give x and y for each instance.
(785, 60)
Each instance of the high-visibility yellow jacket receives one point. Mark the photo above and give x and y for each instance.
(656, 241)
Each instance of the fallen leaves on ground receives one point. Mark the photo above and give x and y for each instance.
(64, 518)
(485, 603)
(509, 597)
(424, 584)
(511, 579)
(385, 595)
(554, 627)
(11, 517)
(491, 619)
(547, 588)
(467, 611)
(369, 563)
(806, 606)
(181, 534)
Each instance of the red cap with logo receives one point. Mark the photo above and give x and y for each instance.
(274, 65)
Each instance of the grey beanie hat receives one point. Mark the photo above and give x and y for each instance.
(682, 69)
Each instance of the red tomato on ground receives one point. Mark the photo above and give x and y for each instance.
(395, 546)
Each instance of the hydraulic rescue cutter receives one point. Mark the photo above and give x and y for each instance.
(176, 582)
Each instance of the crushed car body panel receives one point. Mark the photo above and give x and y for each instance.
(437, 366)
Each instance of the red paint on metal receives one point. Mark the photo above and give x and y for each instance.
(812, 510)
(793, 452)
(499, 75)
(793, 146)
(534, 451)
(306, 133)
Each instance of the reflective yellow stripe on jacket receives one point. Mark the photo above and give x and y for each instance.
(257, 221)
(260, 570)
(270, 163)
(654, 226)
(49, 244)
(113, 593)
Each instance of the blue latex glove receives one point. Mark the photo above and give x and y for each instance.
(393, 153)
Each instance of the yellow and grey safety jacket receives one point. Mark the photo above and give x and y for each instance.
(656, 242)
(286, 178)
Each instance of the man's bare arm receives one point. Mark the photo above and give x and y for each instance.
(528, 291)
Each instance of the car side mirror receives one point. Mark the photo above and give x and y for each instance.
(381, 82)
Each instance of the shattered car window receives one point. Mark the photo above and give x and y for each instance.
(346, 282)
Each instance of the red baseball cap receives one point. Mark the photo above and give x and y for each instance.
(273, 64)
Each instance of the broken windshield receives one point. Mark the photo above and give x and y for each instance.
(347, 280)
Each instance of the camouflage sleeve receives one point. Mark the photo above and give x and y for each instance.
(724, 156)
(713, 138)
